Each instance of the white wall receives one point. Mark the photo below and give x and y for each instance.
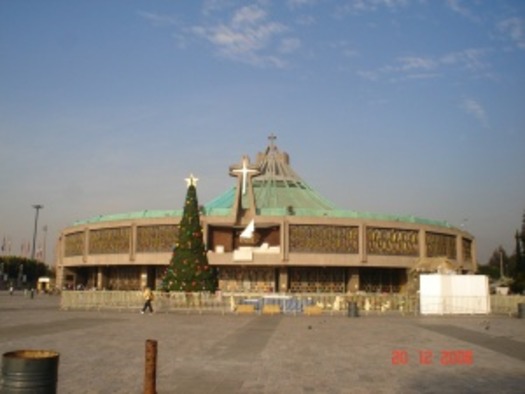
(454, 294)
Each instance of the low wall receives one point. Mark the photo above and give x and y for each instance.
(503, 304)
(331, 304)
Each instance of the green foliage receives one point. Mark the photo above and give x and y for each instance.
(189, 270)
(500, 259)
(522, 236)
(518, 284)
(520, 258)
(513, 266)
(489, 270)
(32, 269)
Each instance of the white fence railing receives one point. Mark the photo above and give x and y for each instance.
(454, 305)
(333, 304)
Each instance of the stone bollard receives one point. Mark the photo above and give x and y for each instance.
(353, 311)
(30, 371)
(150, 376)
(521, 310)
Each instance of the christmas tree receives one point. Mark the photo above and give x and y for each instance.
(189, 270)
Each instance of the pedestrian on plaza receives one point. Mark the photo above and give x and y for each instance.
(11, 290)
(148, 297)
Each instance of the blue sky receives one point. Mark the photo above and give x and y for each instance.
(391, 106)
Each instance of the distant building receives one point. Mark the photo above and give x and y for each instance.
(271, 232)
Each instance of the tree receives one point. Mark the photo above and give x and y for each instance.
(500, 260)
(518, 285)
(519, 259)
(189, 270)
(489, 270)
(11, 267)
(520, 246)
(523, 229)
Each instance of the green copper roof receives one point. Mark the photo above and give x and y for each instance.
(221, 205)
(278, 191)
(279, 186)
(210, 210)
(130, 215)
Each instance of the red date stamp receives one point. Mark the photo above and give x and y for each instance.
(429, 357)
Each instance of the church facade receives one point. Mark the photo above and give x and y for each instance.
(271, 232)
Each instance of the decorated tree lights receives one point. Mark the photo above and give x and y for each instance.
(189, 270)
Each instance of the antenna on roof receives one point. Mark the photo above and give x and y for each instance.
(272, 139)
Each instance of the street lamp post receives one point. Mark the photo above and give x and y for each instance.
(37, 207)
(501, 275)
(44, 252)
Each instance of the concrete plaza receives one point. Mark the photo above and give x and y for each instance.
(104, 352)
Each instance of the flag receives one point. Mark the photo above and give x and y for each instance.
(39, 252)
(247, 233)
(3, 245)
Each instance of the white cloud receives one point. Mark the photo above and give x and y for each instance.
(423, 76)
(249, 15)
(355, 6)
(211, 6)
(475, 109)
(416, 63)
(368, 74)
(231, 40)
(424, 67)
(159, 19)
(458, 7)
(248, 37)
(472, 58)
(300, 3)
(345, 48)
(515, 29)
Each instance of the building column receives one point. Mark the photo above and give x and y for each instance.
(283, 280)
(422, 239)
(459, 251)
(85, 253)
(362, 243)
(60, 249)
(133, 242)
(101, 278)
(285, 240)
(474, 256)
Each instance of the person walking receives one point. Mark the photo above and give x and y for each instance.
(148, 297)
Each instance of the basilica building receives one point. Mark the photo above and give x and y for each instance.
(270, 232)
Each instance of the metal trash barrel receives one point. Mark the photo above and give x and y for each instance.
(353, 310)
(521, 311)
(30, 371)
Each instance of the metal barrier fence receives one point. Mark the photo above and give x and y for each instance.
(506, 304)
(223, 303)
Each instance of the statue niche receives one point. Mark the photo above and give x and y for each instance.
(248, 237)
(252, 241)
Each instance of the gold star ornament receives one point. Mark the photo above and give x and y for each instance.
(191, 181)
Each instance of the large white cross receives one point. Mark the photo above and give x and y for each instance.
(245, 171)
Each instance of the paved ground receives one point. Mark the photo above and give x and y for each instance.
(104, 352)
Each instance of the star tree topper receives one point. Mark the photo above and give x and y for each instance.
(191, 181)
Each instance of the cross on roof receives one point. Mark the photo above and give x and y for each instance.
(245, 172)
(272, 139)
